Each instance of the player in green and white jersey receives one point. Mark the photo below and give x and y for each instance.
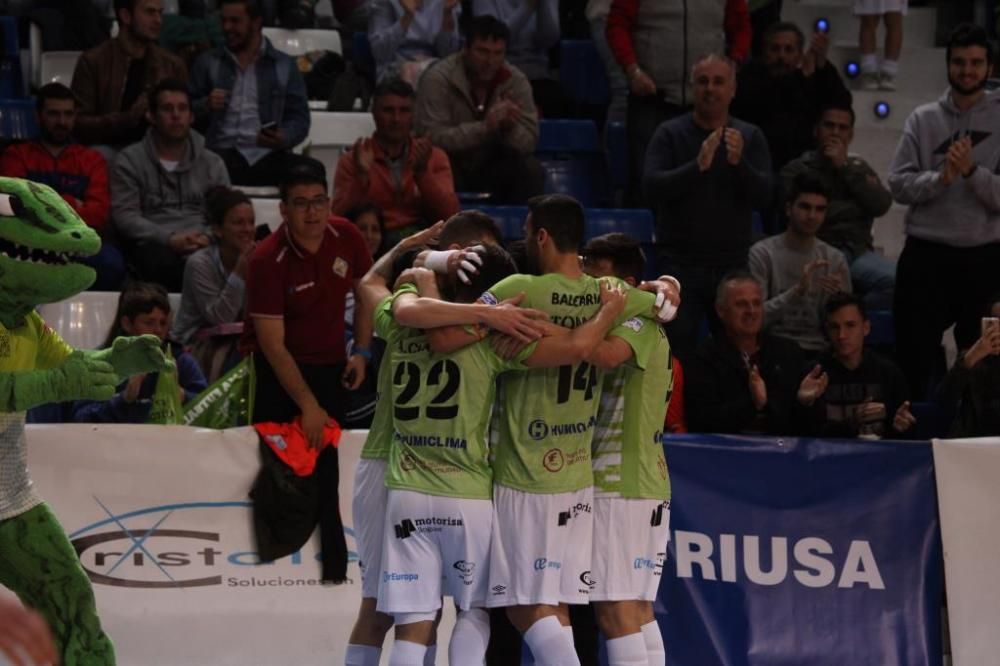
(463, 229)
(542, 458)
(631, 484)
(439, 511)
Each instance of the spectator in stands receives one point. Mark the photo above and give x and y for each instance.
(856, 198)
(480, 111)
(111, 81)
(972, 387)
(799, 272)
(763, 14)
(296, 286)
(369, 221)
(534, 31)
(858, 393)
(143, 308)
(251, 99)
(406, 36)
(76, 172)
(407, 177)
(214, 283)
(945, 170)
(705, 173)
(158, 189)
(744, 380)
(597, 16)
(655, 42)
(784, 93)
(892, 13)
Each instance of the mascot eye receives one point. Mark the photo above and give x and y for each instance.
(10, 205)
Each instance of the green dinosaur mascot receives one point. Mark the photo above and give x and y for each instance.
(41, 238)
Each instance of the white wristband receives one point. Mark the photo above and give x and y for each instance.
(437, 260)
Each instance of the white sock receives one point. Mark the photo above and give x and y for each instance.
(470, 637)
(890, 67)
(869, 63)
(627, 650)
(406, 653)
(430, 657)
(549, 644)
(655, 653)
(362, 655)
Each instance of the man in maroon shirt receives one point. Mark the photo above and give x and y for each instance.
(296, 285)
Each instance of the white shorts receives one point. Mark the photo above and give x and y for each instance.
(541, 547)
(434, 546)
(368, 509)
(630, 548)
(879, 7)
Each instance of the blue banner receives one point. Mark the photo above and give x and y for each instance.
(801, 552)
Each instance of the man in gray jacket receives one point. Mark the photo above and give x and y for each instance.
(479, 109)
(158, 188)
(946, 170)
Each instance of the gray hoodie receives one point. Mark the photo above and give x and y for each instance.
(967, 212)
(149, 203)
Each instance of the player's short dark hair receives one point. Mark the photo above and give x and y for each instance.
(839, 105)
(302, 174)
(253, 6)
(518, 250)
(561, 216)
(166, 85)
(54, 90)
(738, 275)
(806, 183)
(469, 227)
(969, 34)
(393, 86)
(624, 252)
(486, 27)
(785, 26)
(497, 264)
(843, 299)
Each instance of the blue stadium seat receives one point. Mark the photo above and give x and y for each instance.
(11, 75)
(510, 219)
(636, 222)
(581, 71)
(571, 157)
(17, 119)
(616, 147)
(883, 333)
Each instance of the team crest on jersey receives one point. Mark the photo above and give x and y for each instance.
(407, 463)
(553, 460)
(488, 298)
(635, 323)
(340, 267)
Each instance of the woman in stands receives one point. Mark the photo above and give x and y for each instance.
(369, 221)
(143, 308)
(213, 293)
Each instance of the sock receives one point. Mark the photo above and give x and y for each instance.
(405, 653)
(627, 650)
(430, 657)
(655, 653)
(362, 655)
(549, 644)
(469, 638)
(890, 67)
(869, 63)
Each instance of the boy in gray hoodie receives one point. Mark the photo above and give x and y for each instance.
(158, 188)
(946, 170)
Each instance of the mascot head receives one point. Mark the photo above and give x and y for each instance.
(41, 241)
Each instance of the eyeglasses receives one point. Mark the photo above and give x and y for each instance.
(319, 204)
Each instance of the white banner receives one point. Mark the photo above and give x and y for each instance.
(968, 486)
(162, 519)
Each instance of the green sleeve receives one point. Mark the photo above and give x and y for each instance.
(385, 323)
(638, 303)
(508, 288)
(641, 335)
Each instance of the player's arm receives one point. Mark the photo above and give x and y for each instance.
(570, 349)
(374, 286)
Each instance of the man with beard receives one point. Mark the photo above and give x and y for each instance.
(945, 170)
(251, 100)
(784, 92)
(76, 172)
(111, 81)
(705, 174)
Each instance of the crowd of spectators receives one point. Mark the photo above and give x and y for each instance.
(147, 147)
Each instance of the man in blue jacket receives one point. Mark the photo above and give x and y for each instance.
(251, 99)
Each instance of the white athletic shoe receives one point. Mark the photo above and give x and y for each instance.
(886, 81)
(869, 81)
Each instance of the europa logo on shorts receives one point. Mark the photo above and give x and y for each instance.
(197, 544)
